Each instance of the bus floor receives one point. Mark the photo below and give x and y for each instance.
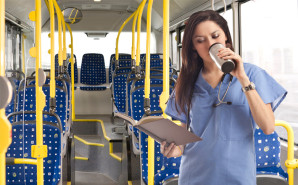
(101, 151)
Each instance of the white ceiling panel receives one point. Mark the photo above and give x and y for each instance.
(20, 9)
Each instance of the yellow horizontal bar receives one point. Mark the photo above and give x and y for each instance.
(25, 161)
(96, 120)
(68, 183)
(81, 158)
(112, 153)
(104, 133)
(88, 143)
(129, 183)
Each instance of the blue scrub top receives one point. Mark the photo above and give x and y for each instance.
(226, 155)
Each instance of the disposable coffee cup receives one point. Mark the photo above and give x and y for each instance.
(225, 66)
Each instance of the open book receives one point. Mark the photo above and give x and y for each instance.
(161, 129)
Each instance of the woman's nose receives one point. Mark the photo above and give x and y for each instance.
(211, 42)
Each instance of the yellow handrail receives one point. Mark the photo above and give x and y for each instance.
(25, 161)
(88, 143)
(133, 53)
(166, 69)
(38, 151)
(64, 35)
(291, 163)
(72, 61)
(23, 51)
(50, 5)
(120, 30)
(139, 31)
(151, 154)
(5, 126)
(60, 52)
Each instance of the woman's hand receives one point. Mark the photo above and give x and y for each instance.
(238, 72)
(171, 151)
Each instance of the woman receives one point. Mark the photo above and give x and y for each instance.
(223, 109)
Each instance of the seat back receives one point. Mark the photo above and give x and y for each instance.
(23, 137)
(30, 105)
(93, 69)
(163, 167)
(122, 56)
(267, 149)
(120, 84)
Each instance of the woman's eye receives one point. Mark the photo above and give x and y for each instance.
(200, 41)
(215, 36)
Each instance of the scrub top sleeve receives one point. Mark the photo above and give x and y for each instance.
(172, 111)
(269, 90)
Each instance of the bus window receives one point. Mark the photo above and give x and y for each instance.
(174, 50)
(228, 15)
(104, 45)
(269, 40)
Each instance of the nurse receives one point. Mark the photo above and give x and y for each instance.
(223, 109)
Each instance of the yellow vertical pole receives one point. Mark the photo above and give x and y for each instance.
(151, 152)
(38, 151)
(60, 52)
(139, 32)
(133, 52)
(64, 35)
(72, 73)
(166, 68)
(23, 52)
(291, 162)
(120, 30)
(50, 6)
(5, 126)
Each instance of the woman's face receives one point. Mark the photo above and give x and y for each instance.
(206, 34)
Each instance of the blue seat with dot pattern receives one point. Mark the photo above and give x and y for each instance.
(163, 167)
(22, 140)
(56, 64)
(119, 84)
(62, 85)
(267, 149)
(30, 105)
(93, 71)
(112, 63)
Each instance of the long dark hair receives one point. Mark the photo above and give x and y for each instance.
(191, 61)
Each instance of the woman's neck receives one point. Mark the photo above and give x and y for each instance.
(211, 74)
(211, 68)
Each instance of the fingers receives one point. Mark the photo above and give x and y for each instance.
(167, 151)
(225, 52)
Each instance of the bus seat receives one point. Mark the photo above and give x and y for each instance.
(62, 85)
(152, 56)
(112, 63)
(163, 167)
(93, 71)
(15, 174)
(169, 176)
(269, 170)
(61, 105)
(119, 84)
(56, 64)
(75, 70)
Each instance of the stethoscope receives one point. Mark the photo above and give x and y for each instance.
(221, 101)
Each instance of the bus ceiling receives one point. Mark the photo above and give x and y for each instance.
(115, 11)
